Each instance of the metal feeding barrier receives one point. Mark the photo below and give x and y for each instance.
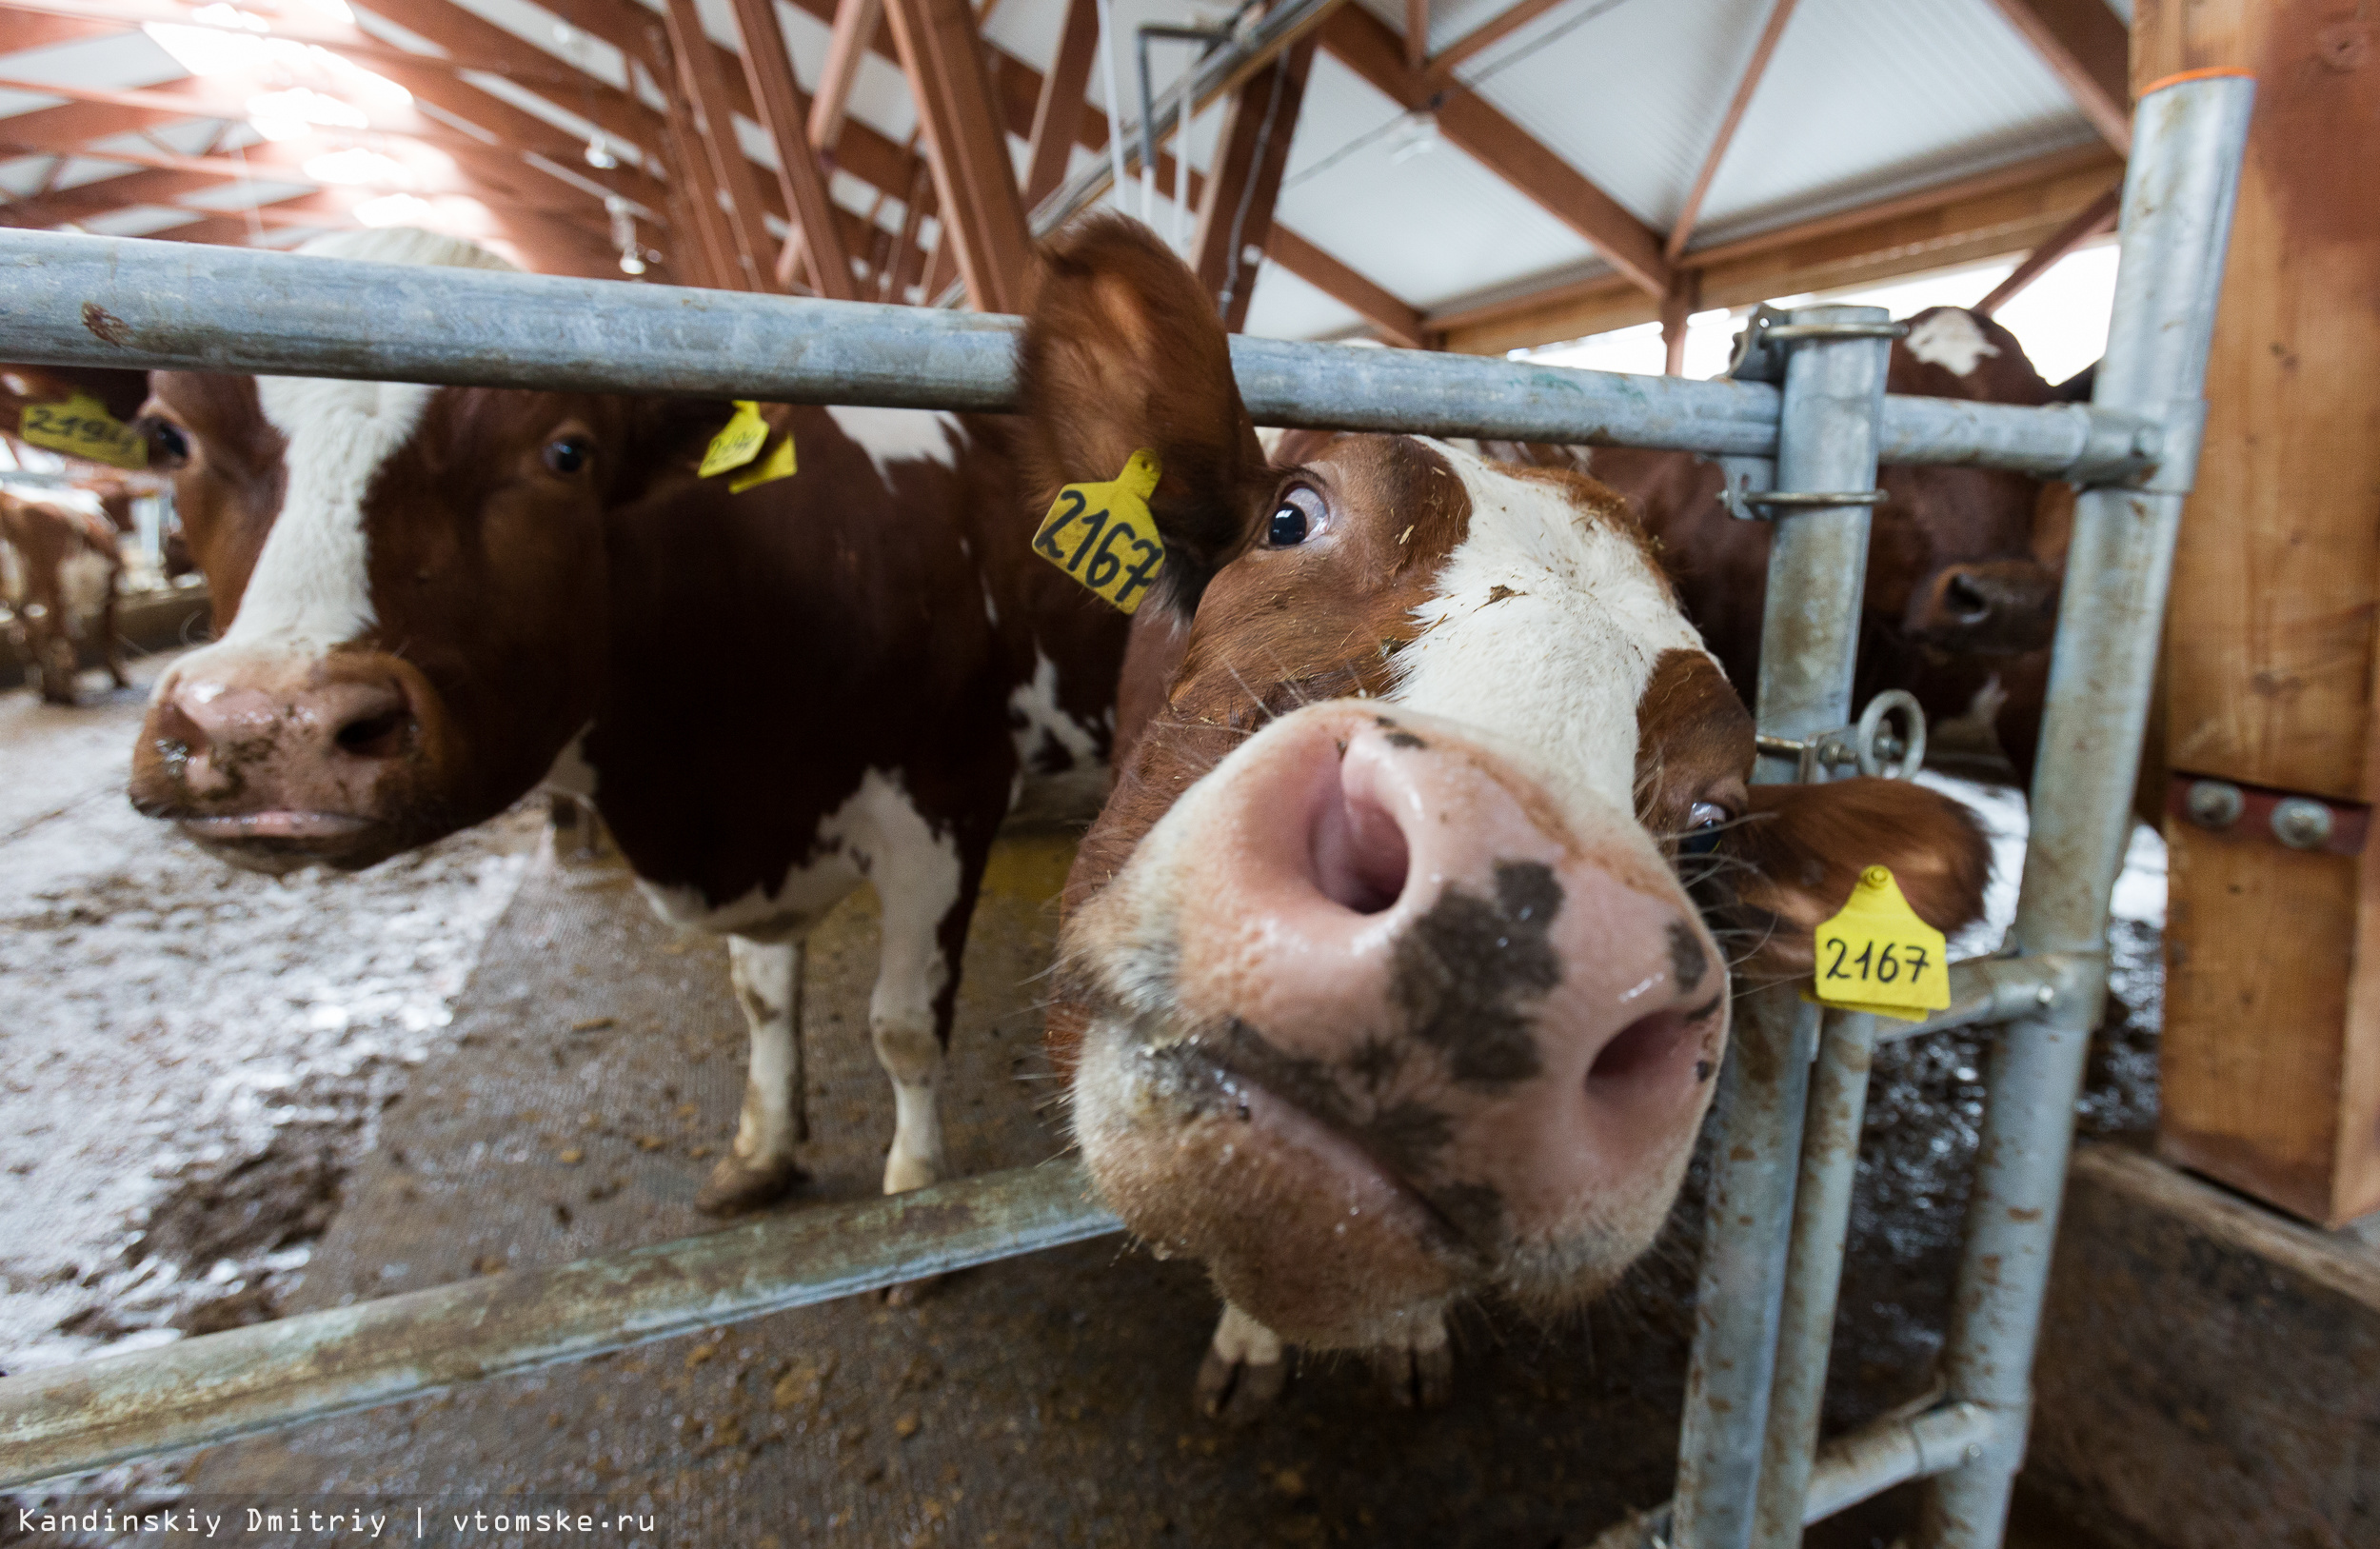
(1806, 444)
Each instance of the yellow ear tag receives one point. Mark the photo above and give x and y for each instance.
(1878, 956)
(82, 427)
(1103, 536)
(739, 443)
(777, 465)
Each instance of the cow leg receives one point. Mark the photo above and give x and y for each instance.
(1245, 1370)
(1418, 1371)
(759, 1167)
(110, 642)
(926, 881)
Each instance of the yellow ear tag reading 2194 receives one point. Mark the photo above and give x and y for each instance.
(1878, 956)
(1103, 536)
(81, 427)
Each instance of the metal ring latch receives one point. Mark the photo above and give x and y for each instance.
(1871, 744)
(1755, 361)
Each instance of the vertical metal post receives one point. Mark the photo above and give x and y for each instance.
(1818, 570)
(2187, 139)
(1813, 1273)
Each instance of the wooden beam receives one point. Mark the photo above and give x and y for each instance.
(466, 35)
(784, 115)
(974, 180)
(2085, 46)
(1063, 101)
(1417, 35)
(2269, 1059)
(1235, 206)
(2096, 219)
(717, 258)
(1967, 220)
(707, 89)
(1440, 70)
(853, 31)
(1683, 228)
(1398, 321)
(1677, 309)
(1359, 41)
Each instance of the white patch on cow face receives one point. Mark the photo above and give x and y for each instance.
(311, 588)
(1555, 666)
(1950, 339)
(901, 435)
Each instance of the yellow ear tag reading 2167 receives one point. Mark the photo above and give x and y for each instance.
(1103, 536)
(81, 426)
(739, 443)
(1878, 956)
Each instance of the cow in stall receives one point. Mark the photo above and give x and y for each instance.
(1391, 973)
(58, 570)
(1963, 564)
(428, 600)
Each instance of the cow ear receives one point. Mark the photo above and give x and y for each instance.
(1123, 350)
(1792, 860)
(664, 438)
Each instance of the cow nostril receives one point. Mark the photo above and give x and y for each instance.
(1966, 600)
(381, 736)
(1360, 855)
(1642, 1045)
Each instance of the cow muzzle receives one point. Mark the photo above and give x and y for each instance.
(274, 760)
(1375, 1023)
(1992, 607)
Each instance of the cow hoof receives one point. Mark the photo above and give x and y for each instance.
(736, 1186)
(1236, 1391)
(1415, 1377)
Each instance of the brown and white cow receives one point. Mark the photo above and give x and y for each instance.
(1963, 575)
(1391, 973)
(430, 599)
(58, 570)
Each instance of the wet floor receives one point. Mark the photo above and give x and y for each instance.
(569, 1101)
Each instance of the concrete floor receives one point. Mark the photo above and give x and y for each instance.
(1044, 1400)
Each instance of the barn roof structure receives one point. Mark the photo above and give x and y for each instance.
(1470, 174)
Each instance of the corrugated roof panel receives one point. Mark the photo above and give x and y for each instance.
(1630, 94)
(118, 61)
(1868, 96)
(1286, 306)
(1433, 225)
(138, 221)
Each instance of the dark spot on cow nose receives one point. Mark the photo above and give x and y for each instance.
(1702, 1070)
(1686, 960)
(1397, 736)
(1965, 600)
(1467, 973)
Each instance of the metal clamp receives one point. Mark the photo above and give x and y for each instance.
(1760, 349)
(1867, 744)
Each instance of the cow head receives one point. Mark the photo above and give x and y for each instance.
(1954, 565)
(1396, 967)
(409, 591)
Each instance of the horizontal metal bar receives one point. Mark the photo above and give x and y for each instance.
(70, 1420)
(1849, 1469)
(122, 302)
(2003, 989)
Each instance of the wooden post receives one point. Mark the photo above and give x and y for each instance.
(1062, 103)
(974, 181)
(1677, 310)
(785, 115)
(2270, 1056)
(1235, 206)
(703, 170)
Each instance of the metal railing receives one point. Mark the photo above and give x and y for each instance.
(1749, 1473)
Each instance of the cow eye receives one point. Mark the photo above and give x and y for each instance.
(569, 454)
(1705, 820)
(1295, 517)
(169, 443)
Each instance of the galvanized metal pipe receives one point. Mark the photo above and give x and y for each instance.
(2179, 191)
(1848, 1470)
(177, 305)
(71, 1419)
(1813, 1273)
(1834, 394)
